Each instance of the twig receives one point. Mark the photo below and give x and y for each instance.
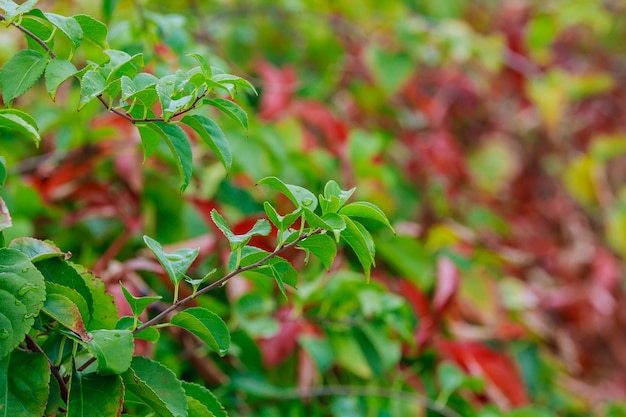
(31, 35)
(100, 97)
(33, 346)
(156, 319)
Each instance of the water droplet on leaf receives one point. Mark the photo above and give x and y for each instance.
(307, 201)
(25, 289)
(25, 270)
(4, 334)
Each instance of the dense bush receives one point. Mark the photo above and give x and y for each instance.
(491, 135)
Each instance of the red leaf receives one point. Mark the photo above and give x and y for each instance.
(278, 87)
(605, 269)
(416, 298)
(308, 374)
(278, 348)
(448, 279)
(322, 124)
(437, 153)
(504, 384)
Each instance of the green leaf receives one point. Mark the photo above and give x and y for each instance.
(281, 222)
(450, 377)
(91, 86)
(150, 139)
(120, 63)
(204, 65)
(61, 272)
(104, 313)
(175, 263)
(13, 10)
(93, 395)
(349, 355)
(24, 378)
(283, 272)
(113, 350)
(19, 73)
(334, 197)
(22, 293)
(195, 283)
(206, 398)
(390, 70)
(176, 106)
(322, 246)
(261, 228)
(113, 89)
(36, 250)
(66, 313)
(366, 210)
(234, 81)
(128, 323)
(167, 88)
(300, 197)
(57, 72)
(408, 257)
(276, 267)
(205, 324)
(331, 222)
(157, 386)
(93, 30)
(213, 136)
(108, 7)
(370, 352)
(146, 89)
(144, 80)
(178, 143)
(11, 119)
(138, 304)
(231, 109)
(72, 295)
(359, 239)
(319, 350)
(335, 222)
(54, 399)
(196, 409)
(69, 26)
(3, 172)
(128, 87)
(36, 23)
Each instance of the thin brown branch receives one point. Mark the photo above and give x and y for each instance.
(100, 97)
(31, 35)
(86, 364)
(34, 347)
(156, 319)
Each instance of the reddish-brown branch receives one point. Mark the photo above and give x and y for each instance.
(222, 280)
(100, 97)
(34, 347)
